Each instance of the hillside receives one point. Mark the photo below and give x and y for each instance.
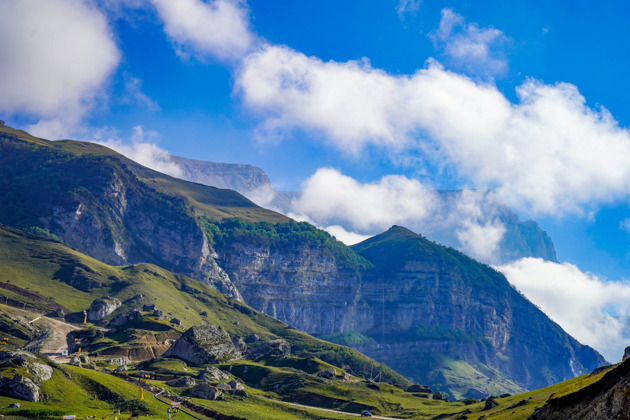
(113, 209)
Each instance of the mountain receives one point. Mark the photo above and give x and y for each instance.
(521, 239)
(456, 324)
(433, 314)
(114, 209)
(233, 176)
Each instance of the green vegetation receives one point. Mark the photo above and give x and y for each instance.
(391, 250)
(350, 339)
(292, 234)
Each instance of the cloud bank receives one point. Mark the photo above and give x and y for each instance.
(549, 153)
(56, 57)
(582, 303)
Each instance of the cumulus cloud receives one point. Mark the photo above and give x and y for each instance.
(548, 153)
(218, 28)
(583, 304)
(468, 47)
(353, 211)
(331, 198)
(142, 149)
(56, 57)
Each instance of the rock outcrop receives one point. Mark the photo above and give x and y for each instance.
(606, 399)
(204, 344)
(102, 307)
(25, 375)
(205, 391)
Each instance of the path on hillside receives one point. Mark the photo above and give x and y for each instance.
(52, 348)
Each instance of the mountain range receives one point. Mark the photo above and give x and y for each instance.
(428, 311)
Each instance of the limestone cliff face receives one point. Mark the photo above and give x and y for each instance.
(418, 300)
(303, 286)
(233, 176)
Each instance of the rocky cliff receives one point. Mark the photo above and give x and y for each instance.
(113, 209)
(233, 176)
(416, 306)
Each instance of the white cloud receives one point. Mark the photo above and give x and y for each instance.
(56, 57)
(142, 149)
(407, 6)
(353, 211)
(348, 238)
(468, 47)
(581, 303)
(331, 198)
(218, 28)
(625, 225)
(548, 153)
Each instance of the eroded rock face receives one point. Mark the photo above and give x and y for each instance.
(279, 348)
(204, 344)
(213, 375)
(102, 307)
(205, 391)
(24, 385)
(608, 398)
(182, 382)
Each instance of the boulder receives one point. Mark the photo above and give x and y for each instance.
(439, 396)
(19, 387)
(236, 385)
(176, 321)
(330, 373)
(120, 369)
(223, 386)
(182, 382)
(158, 314)
(239, 344)
(279, 348)
(102, 307)
(490, 404)
(214, 375)
(15, 405)
(119, 361)
(205, 391)
(252, 338)
(419, 388)
(204, 344)
(148, 307)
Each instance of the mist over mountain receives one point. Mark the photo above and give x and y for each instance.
(471, 221)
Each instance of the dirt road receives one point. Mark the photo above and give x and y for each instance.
(52, 348)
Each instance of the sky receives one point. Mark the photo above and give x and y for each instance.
(367, 107)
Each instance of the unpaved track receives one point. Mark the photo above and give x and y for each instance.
(52, 348)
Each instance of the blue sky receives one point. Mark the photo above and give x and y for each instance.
(367, 102)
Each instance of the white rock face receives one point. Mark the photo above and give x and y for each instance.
(102, 307)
